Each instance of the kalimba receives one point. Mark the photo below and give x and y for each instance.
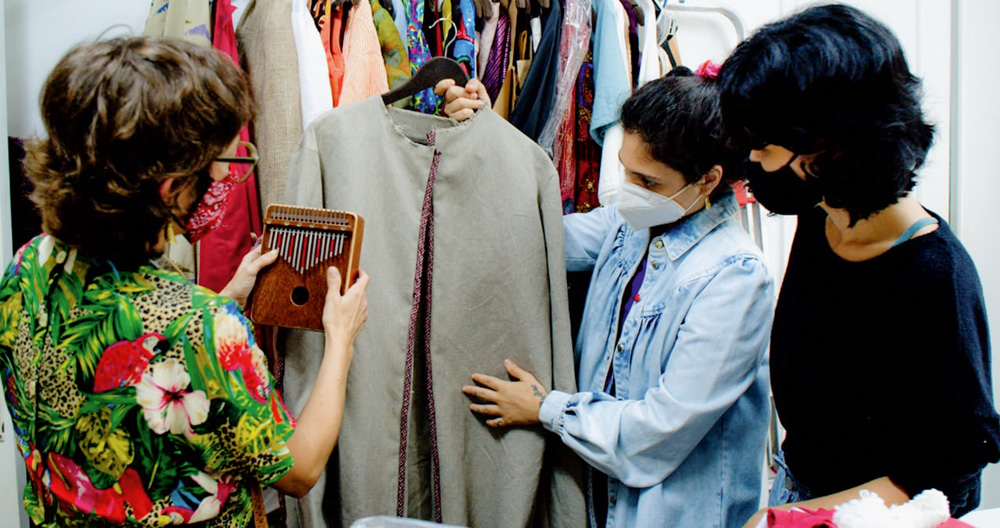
(291, 293)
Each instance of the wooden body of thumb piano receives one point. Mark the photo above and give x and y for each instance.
(291, 293)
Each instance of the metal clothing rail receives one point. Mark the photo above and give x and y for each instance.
(729, 13)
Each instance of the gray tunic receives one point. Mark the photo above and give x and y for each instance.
(499, 291)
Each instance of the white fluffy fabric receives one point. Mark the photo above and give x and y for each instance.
(927, 510)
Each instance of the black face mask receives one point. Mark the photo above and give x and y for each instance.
(782, 191)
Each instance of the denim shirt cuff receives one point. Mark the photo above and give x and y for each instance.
(552, 412)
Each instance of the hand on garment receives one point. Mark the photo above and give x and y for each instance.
(461, 103)
(511, 402)
(246, 274)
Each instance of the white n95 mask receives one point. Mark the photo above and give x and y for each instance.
(643, 208)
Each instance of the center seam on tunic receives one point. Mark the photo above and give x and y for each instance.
(423, 279)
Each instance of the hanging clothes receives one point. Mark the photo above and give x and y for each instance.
(268, 52)
(574, 42)
(221, 250)
(364, 69)
(612, 86)
(611, 75)
(506, 96)
(558, 135)
(316, 10)
(565, 158)
(497, 266)
(425, 101)
(484, 41)
(538, 93)
(463, 50)
(399, 17)
(588, 151)
(331, 30)
(495, 69)
(394, 55)
(190, 20)
(649, 63)
(314, 78)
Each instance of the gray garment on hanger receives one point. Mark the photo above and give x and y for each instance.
(499, 291)
(267, 51)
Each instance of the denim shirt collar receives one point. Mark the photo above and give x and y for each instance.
(687, 233)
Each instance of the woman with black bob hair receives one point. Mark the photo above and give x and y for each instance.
(670, 355)
(880, 360)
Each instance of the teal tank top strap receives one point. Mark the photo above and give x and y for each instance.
(913, 229)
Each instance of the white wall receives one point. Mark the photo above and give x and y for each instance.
(39, 33)
(976, 179)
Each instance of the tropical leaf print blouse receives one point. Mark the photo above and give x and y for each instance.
(136, 396)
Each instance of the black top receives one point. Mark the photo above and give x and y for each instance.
(882, 367)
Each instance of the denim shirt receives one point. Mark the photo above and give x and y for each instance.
(683, 442)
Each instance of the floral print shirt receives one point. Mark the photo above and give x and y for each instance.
(136, 396)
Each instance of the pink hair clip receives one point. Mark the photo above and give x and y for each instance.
(708, 70)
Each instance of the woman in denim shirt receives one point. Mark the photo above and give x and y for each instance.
(671, 355)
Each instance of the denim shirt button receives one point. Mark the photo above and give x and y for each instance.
(621, 347)
(655, 264)
(612, 500)
(659, 244)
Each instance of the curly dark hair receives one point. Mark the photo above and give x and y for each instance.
(122, 115)
(831, 81)
(678, 116)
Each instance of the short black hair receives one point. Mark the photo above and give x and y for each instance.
(678, 116)
(831, 81)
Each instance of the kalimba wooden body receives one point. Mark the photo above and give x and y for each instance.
(291, 292)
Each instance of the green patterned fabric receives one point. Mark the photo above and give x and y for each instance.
(136, 396)
(397, 60)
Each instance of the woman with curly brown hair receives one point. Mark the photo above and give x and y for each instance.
(136, 396)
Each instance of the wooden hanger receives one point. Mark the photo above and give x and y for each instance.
(432, 72)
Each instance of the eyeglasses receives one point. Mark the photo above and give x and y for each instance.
(240, 167)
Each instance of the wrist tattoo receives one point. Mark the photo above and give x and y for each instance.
(538, 394)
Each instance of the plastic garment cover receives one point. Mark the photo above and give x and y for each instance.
(572, 49)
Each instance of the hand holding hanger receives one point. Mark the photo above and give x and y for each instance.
(429, 75)
(461, 102)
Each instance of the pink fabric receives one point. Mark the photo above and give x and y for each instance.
(955, 523)
(222, 249)
(708, 70)
(364, 68)
(800, 518)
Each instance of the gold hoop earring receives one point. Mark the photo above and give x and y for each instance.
(708, 203)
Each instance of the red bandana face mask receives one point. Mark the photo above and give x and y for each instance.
(213, 205)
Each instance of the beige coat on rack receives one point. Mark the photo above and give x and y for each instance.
(267, 49)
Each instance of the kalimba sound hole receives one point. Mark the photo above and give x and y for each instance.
(300, 296)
